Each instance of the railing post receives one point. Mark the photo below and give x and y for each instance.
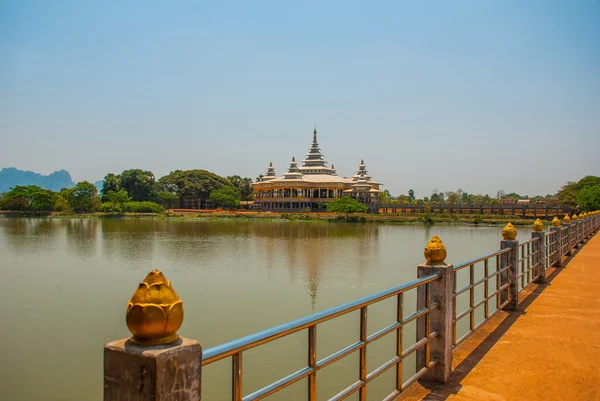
(155, 364)
(509, 233)
(558, 244)
(539, 249)
(440, 319)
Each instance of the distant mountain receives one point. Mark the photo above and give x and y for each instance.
(10, 177)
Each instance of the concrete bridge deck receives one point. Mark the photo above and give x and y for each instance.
(549, 349)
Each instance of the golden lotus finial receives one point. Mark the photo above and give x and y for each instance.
(435, 251)
(575, 217)
(509, 232)
(538, 225)
(154, 312)
(567, 219)
(555, 222)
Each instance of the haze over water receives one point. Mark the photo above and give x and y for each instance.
(66, 282)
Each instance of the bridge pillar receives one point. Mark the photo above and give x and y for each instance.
(539, 249)
(440, 319)
(510, 259)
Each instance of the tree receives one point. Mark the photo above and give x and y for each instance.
(111, 183)
(385, 197)
(138, 183)
(346, 205)
(589, 198)
(167, 199)
(226, 197)
(82, 197)
(568, 193)
(28, 197)
(117, 198)
(411, 195)
(192, 183)
(243, 185)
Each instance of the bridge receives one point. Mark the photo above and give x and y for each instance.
(523, 210)
(462, 311)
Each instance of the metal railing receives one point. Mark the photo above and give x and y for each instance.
(529, 262)
(565, 241)
(552, 247)
(474, 304)
(235, 349)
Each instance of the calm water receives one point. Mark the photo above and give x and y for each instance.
(66, 282)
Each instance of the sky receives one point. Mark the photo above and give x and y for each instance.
(478, 95)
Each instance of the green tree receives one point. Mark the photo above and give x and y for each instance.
(386, 197)
(589, 198)
(138, 183)
(411, 195)
(568, 193)
(226, 197)
(167, 199)
(346, 205)
(111, 183)
(82, 197)
(117, 199)
(28, 197)
(243, 185)
(192, 183)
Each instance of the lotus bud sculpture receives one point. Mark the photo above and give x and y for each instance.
(155, 312)
(575, 217)
(567, 219)
(555, 222)
(509, 232)
(538, 225)
(435, 251)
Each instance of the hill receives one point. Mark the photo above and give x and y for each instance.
(10, 177)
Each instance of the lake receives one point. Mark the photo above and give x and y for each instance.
(66, 282)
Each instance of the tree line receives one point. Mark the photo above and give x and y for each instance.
(584, 193)
(133, 190)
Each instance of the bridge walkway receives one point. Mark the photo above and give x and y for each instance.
(549, 349)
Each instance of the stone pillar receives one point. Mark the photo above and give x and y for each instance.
(558, 258)
(509, 233)
(540, 247)
(155, 364)
(569, 236)
(440, 319)
(134, 372)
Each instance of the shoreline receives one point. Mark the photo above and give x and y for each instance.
(381, 218)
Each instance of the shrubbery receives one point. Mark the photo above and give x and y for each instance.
(142, 207)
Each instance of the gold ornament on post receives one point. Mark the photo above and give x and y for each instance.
(435, 251)
(567, 219)
(538, 225)
(509, 232)
(575, 217)
(155, 312)
(555, 222)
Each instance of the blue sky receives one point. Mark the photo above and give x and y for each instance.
(481, 95)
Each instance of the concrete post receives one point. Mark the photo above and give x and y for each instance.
(540, 258)
(440, 320)
(511, 276)
(576, 231)
(135, 372)
(558, 258)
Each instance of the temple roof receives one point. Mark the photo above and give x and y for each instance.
(315, 161)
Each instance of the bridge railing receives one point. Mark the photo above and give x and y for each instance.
(171, 367)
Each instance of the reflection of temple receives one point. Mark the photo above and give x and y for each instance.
(312, 184)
